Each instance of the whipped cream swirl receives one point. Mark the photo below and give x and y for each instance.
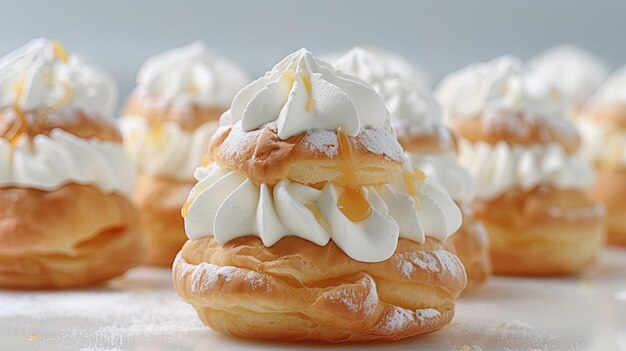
(191, 75)
(49, 162)
(42, 75)
(500, 87)
(379, 67)
(447, 170)
(577, 73)
(227, 205)
(500, 168)
(166, 149)
(302, 93)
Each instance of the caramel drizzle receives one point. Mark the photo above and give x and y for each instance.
(352, 203)
(23, 127)
(409, 178)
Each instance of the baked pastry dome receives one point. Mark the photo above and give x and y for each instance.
(65, 217)
(575, 72)
(603, 127)
(429, 145)
(530, 183)
(167, 124)
(303, 205)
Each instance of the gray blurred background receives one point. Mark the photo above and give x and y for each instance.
(438, 35)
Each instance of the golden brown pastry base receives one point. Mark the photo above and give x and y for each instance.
(296, 290)
(159, 201)
(542, 232)
(80, 124)
(153, 110)
(472, 247)
(610, 189)
(264, 157)
(439, 140)
(506, 128)
(74, 236)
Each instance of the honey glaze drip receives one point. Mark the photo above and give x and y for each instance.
(409, 178)
(352, 203)
(184, 211)
(23, 127)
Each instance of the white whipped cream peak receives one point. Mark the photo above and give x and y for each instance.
(376, 66)
(169, 151)
(48, 162)
(576, 72)
(503, 86)
(500, 168)
(302, 93)
(614, 88)
(42, 75)
(227, 205)
(447, 170)
(190, 75)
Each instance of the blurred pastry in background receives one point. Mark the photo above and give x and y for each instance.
(306, 224)
(574, 71)
(531, 185)
(372, 63)
(66, 219)
(167, 123)
(429, 145)
(603, 127)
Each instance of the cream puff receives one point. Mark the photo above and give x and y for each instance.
(65, 215)
(167, 123)
(530, 184)
(574, 71)
(429, 145)
(306, 224)
(603, 127)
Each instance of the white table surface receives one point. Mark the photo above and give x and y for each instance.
(142, 312)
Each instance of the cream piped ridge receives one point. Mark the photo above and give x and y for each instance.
(303, 93)
(227, 205)
(166, 149)
(49, 162)
(500, 168)
(48, 76)
(190, 75)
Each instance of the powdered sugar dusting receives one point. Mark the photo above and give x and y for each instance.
(381, 141)
(206, 275)
(237, 139)
(324, 141)
(399, 319)
(141, 305)
(433, 261)
(257, 281)
(353, 300)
